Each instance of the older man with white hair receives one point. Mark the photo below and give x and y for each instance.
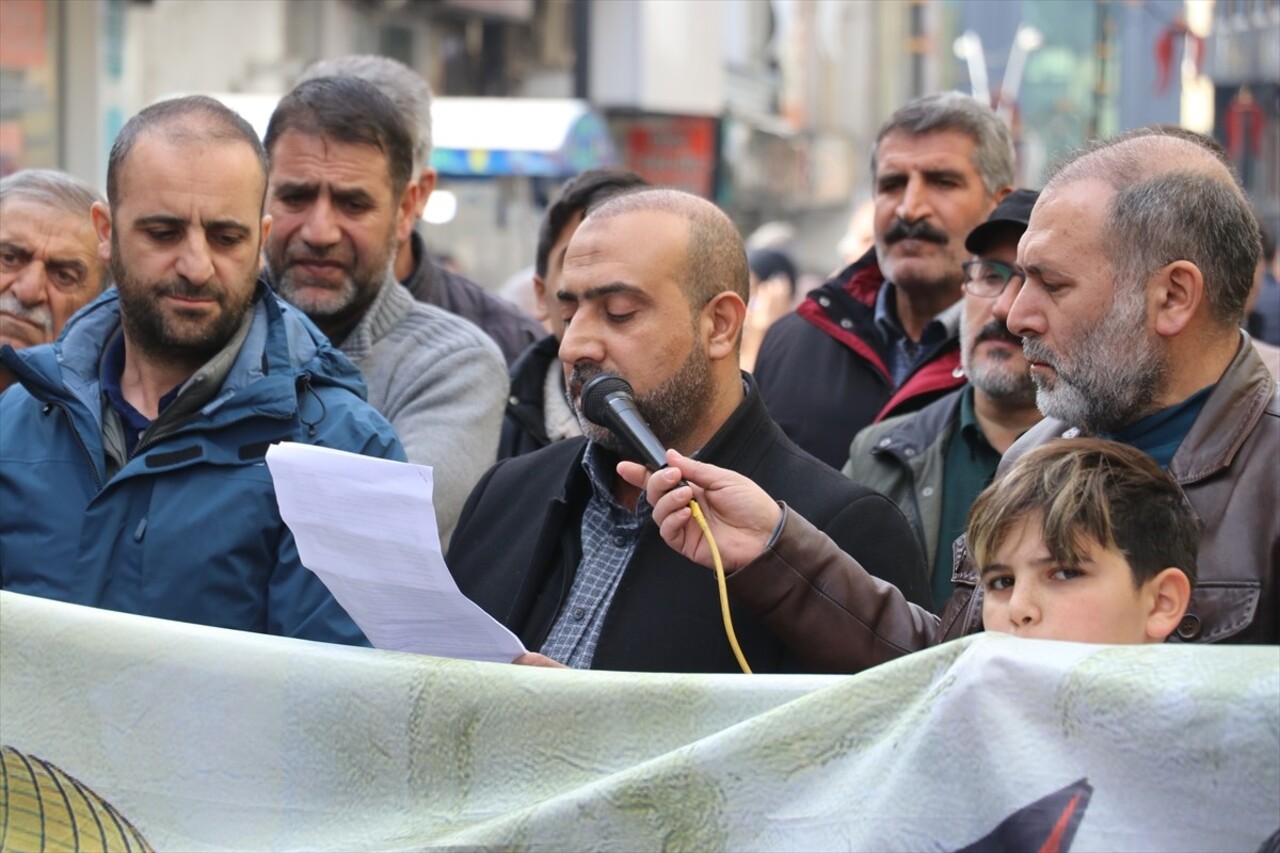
(49, 265)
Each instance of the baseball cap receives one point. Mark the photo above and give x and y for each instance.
(1013, 212)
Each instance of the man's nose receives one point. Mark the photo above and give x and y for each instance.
(195, 262)
(581, 342)
(1004, 302)
(30, 284)
(320, 227)
(914, 204)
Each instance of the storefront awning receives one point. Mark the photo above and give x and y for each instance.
(489, 137)
(537, 137)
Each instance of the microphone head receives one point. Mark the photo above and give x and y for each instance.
(596, 391)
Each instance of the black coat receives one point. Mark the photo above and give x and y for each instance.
(518, 544)
(511, 328)
(822, 368)
(524, 424)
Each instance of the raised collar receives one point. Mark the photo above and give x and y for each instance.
(388, 309)
(1245, 391)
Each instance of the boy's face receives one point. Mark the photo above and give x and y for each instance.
(1028, 593)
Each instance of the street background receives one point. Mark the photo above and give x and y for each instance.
(768, 107)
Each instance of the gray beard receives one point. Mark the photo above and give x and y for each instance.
(1108, 382)
(1003, 386)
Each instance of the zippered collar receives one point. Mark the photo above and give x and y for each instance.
(283, 354)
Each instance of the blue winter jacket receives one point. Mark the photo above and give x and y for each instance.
(189, 528)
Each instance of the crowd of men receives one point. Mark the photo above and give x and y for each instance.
(229, 293)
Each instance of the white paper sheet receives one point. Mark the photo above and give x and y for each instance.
(367, 528)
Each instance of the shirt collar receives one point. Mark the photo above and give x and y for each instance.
(110, 373)
(601, 467)
(1159, 434)
(970, 429)
(943, 326)
(886, 315)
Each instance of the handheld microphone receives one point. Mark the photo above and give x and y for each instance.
(608, 401)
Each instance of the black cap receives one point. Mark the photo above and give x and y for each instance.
(1012, 213)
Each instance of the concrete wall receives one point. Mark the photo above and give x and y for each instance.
(658, 55)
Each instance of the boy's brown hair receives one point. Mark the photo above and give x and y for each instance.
(1090, 489)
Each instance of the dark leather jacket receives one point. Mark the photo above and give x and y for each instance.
(815, 597)
(822, 369)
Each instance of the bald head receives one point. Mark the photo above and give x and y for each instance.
(194, 120)
(715, 258)
(1174, 199)
(1137, 155)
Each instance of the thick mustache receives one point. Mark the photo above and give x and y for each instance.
(997, 331)
(581, 375)
(37, 316)
(184, 289)
(921, 230)
(1037, 352)
(306, 256)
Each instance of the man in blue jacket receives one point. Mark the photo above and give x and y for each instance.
(131, 453)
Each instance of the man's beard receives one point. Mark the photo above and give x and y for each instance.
(997, 381)
(357, 289)
(672, 410)
(167, 337)
(1112, 374)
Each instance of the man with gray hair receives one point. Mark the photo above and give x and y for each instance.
(49, 264)
(882, 336)
(510, 327)
(340, 196)
(1135, 269)
(933, 463)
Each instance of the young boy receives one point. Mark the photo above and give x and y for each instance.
(1084, 540)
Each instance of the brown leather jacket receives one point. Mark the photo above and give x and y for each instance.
(836, 617)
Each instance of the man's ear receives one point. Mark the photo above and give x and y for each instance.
(540, 311)
(407, 212)
(262, 243)
(1177, 293)
(101, 216)
(1169, 594)
(426, 185)
(722, 320)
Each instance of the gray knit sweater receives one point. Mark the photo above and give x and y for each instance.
(443, 385)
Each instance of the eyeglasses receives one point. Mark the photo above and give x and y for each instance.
(988, 279)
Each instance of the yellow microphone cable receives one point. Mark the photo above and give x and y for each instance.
(720, 583)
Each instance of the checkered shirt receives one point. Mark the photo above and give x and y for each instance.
(610, 533)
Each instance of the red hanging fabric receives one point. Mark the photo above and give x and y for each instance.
(1165, 43)
(1243, 124)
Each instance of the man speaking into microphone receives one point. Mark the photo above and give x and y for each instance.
(562, 551)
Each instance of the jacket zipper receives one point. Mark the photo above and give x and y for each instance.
(80, 440)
